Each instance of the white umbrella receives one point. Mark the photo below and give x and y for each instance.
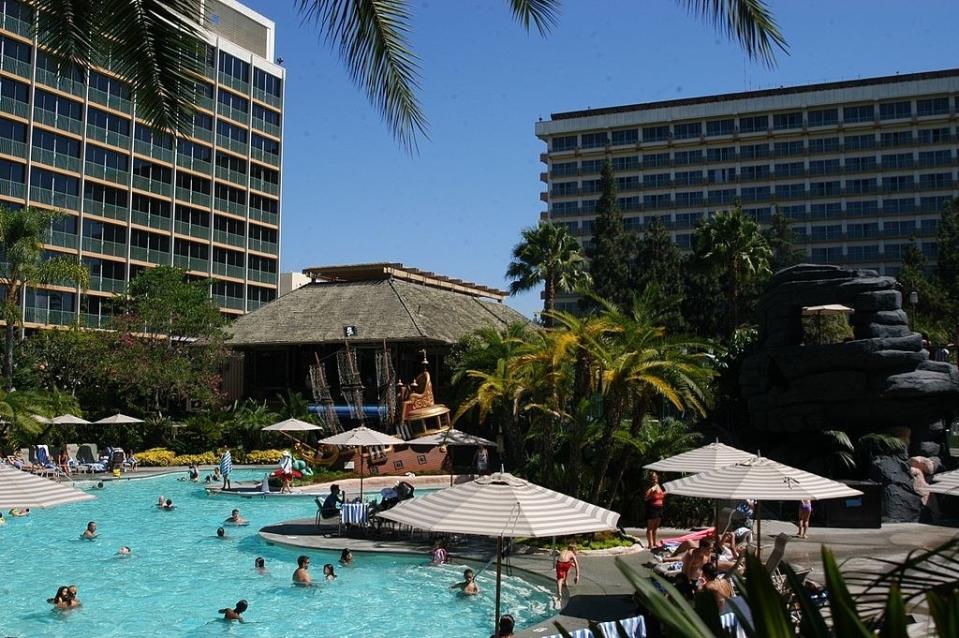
(362, 437)
(452, 437)
(952, 476)
(503, 506)
(118, 419)
(827, 310)
(68, 419)
(709, 457)
(291, 425)
(22, 489)
(759, 479)
(948, 488)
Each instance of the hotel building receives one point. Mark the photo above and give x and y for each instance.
(861, 168)
(207, 201)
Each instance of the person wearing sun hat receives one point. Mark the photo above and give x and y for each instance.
(286, 472)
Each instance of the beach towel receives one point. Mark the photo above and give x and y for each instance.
(226, 463)
(692, 536)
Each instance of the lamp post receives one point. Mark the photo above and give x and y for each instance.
(914, 301)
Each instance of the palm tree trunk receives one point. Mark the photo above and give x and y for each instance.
(549, 300)
(733, 300)
(10, 339)
(634, 428)
(581, 390)
(605, 450)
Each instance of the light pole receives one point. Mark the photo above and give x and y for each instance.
(914, 301)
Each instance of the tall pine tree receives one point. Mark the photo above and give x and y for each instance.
(781, 240)
(947, 265)
(611, 251)
(658, 272)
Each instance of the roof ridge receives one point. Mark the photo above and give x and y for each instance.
(406, 308)
(491, 313)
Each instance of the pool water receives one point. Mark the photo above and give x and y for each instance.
(180, 574)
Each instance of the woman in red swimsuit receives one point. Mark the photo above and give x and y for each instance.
(565, 561)
(654, 509)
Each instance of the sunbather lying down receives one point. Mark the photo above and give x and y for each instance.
(728, 552)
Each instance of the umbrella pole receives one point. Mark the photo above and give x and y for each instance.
(759, 531)
(499, 570)
(361, 473)
(449, 457)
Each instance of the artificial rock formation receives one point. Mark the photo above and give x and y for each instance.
(882, 380)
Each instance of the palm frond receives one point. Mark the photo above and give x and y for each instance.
(69, 29)
(372, 40)
(749, 22)
(542, 13)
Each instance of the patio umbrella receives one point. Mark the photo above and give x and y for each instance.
(826, 310)
(22, 489)
(292, 425)
(452, 437)
(68, 419)
(952, 476)
(502, 506)
(948, 488)
(709, 457)
(118, 419)
(362, 437)
(759, 479)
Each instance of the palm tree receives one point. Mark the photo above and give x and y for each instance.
(22, 233)
(156, 47)
(500, 392)
(731, 245)
(547, 254)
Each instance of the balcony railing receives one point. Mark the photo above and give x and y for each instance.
(233, 239)
(230, 207)
(54, 198)
(61, 122)
(200, 133)
(152, 150)
(15, 107)
(113, 101)
(228, 302)
(228, 270)
(50, 317)
(95, 321)
(228, 142)
(191, 263)
(13, 147)
(107, 173)
(104, 209)
(58, 160)
(193, 230)
(16, 25)
(262, 277)
(104, 247)
(262, 246)
(188, 161)
(153, 221)
(11, 188)
(18, 67)
(268, 98)
(264, 216)
(152, 185)
(264, 186)
(109, 137)
(67, 85)
(159, 257)
(234, 83)
(107, 284)
(235, 177)
(262, 156)
(267, 127)
(235, 114)
(61, 238)
(192, 196)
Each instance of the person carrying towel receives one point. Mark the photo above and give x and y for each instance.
(226, 466)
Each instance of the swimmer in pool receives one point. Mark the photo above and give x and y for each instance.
(91, 532)
(124, 551)
(168, 505)
(468, 586)
(20, 511)
(302, 574)
(234, 614)
(328, 572)
(221, 533)
(346, 556)
(260, 565)
(236, 519)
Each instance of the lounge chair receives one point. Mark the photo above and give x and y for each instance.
(731, 621)
(634, 627)
(322, 519)
(776, 557)
(87, 459)
(46, 466)
(579, 633)
(117, 458)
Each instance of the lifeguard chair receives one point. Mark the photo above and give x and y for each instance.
(421, 415)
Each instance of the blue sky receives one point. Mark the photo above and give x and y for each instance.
(351, 195)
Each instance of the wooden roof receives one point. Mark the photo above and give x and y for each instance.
(394, 270)
(391, 309)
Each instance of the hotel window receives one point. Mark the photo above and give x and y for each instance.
(827, 233)
(193, 183)
(895, 110)
(267, 82)
(595, 140)
(655, 133)
(587, 206)
(720, 127)
(11, 171)
(101, 194)
(105, 157)
(824, 167)
(57, 104)
(862, 164)
(631, 183)
(720, 175)
(656, 180)
(896, 138)
(760, 171)
(688, 220)
(269, 205)
(686, 200)
(898, 206)
(753, 151)
(754, 193)
(591, 186)
(148, 135)
(934, 135)
(863, 253)
(628, 136)
(591, 166)
(860, 186)
(862, 231)
(268, 116)
(824, 145)
(559, 208)
(935, 180)
(684, 240)
(930, 249)
(687, 131)
(760, 215)
(150, 241)
(186, 248)
(627, 163)
(688, 157)
(934, 204)
(827, 255)
(151, 206)
(898, 184)
(231, 163)
(564, 143)
(897, 161)
(633, 223)
(234, 133)
(108, 121)
(789, 148)
(234, 101)
(195, 151)
(16, 91)
(784, 121)
(862, 209)
(932, 106)
(724, 154)
(234, 67)
(754, 124)
(823, 117)
(630, 203)
(722, 196)
(48, 180)
(790, 169)
(654, 160)
(271, 147)
(795, 212)
(14, 131)
(820, 189)
(860, 142)
(686, 178)
(935, 158)
(564, 189)
(831, 210)
(853, 114)
(790, 191)
(657, 201)
(152, 171)
(15, 49)
(109, 85)
(57, 144)
(588, 225)
(929, 225)
(564, 169)
(230, 194)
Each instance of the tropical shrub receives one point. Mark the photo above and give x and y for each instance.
(156, 457)
(205, 458)
(261, 457)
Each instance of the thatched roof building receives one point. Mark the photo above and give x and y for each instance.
(368, 305)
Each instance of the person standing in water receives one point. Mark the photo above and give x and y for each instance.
(226, 466)
(234, 614)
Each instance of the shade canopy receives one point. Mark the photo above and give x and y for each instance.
(709, 457)
(22, 489)
(292, 425)
(502, 505)
(362, 437)
(949, 488)
(947, 477)
(826, 310)
(452, 437)
(760, 479)
(119, 419)
(68, 419)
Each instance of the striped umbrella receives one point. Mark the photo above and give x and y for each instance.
(708, 457)
(951, 477)
(946, 483)
(503, 506)
(759, 479)
(361, 437)
(22, 489)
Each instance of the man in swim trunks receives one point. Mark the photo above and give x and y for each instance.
(234, 614)
(91, 532)
(468, 586)
(236, 519)
(302, 574)
(565, 561)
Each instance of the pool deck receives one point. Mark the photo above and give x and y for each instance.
(603, 593)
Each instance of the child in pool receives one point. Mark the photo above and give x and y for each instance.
(234, 614)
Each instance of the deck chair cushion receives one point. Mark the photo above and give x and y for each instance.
(635, 627)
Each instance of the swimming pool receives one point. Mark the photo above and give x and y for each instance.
(179, 575)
